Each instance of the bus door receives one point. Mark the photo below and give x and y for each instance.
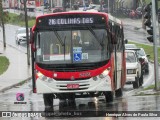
(118, 56)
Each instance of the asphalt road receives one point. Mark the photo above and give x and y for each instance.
(127, 103)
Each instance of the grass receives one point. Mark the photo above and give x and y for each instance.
(149, 50)
(20, 20)
(151, 86)
(4, 63)
(144, 92)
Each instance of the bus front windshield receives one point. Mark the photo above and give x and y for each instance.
(72, 46)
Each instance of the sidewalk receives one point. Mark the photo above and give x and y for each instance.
(18, 70)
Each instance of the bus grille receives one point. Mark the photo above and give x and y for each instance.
(62, 85)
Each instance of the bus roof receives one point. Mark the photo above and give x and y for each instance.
(107, 16)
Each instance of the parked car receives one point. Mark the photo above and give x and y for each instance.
(43, 8)
(93, 7)
(58, 9)
(20, 36)
(134, 73)
(141, 54)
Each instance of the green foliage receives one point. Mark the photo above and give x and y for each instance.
(5, 15)
(4, 63)
(150, 87)
(20, 20)
(148, 1)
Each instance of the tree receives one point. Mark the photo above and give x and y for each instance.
(4, 18)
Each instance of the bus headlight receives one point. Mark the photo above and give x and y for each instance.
(105, 73)
(41, 76)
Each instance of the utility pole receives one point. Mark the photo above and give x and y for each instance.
(151, 13)
(27, 35)
(143, 19)
(108, 7)
(2, 22)
(157, 87)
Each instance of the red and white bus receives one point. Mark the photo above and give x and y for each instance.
(78, 54)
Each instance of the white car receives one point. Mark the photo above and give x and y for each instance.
(21, 36)
(133, 69)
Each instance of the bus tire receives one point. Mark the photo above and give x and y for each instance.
(48, 102)
(108, 96)
(62, 96)
(119, 93)
(71, 96)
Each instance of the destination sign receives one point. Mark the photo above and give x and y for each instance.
(70, 19)
(65, 21)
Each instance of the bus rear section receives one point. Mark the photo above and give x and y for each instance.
(73, 57)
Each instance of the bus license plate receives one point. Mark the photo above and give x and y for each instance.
(72, 86)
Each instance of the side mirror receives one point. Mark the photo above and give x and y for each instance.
(126, 41)
(113, 38)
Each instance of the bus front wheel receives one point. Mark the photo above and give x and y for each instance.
(48, 102)
(108, 96)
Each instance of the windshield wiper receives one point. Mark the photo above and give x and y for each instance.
(59, 38)
(94, 34)
(64, 47)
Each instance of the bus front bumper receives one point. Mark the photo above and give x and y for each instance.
(73, 86)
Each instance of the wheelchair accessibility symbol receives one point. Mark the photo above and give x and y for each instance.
(77, 56)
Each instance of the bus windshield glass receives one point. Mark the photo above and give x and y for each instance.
(72, 46)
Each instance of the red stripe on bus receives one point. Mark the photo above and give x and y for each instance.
(76, 75)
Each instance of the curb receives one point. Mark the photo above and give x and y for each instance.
(15, 48)
(16, 84)
(147, 92)
(153, 62)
